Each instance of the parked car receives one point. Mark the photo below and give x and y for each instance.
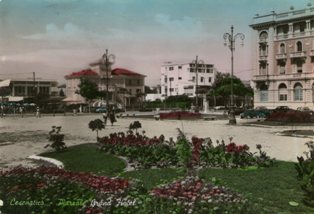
(260, 108)
(282, 108)
(253, 113)
(101, 110)
(304, 109)
(220, 108)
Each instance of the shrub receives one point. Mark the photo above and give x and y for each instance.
(305, 169)
(97, 125)
(291, 116)
(57, 139)
(135, 125)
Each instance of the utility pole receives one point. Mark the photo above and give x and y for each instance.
(105, 66)
(196, 64)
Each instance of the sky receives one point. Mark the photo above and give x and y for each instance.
(54, 38)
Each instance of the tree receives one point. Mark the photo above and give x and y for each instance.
(89, 90)
(96, 125)
(222, 86)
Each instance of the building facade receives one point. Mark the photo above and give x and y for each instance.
(27, 88)
(183, 78)
(283, 59)
(126, 88)
(72, 85)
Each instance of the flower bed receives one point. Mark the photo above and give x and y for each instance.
(102, 184)
(231, 155)
(181, 115)
(140, 150)
(291, 116)
(194, 195)
(144, 152)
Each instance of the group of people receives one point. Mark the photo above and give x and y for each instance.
(111, 115)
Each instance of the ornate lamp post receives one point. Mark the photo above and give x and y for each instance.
(230, 41)
(196, 63)
(105, 68)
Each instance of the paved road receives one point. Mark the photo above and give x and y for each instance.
(77, 131)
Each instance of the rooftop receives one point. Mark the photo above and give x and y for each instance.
(122, 71)
(274, 17)
(86, 72)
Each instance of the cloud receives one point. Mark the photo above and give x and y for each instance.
(185, 27)
(53, 32)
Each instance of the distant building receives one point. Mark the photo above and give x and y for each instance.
(181, 78)
(21, 89)
(72, 85)
(126, 88)
(284, 59)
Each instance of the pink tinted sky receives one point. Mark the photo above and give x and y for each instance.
(56, 37)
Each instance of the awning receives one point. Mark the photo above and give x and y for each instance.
(5, 83)
(70, 101)
(15, 99)
(101, 103)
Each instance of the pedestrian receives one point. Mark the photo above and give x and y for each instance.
(104, 115)
(37, 112)
(2, 111)
(21, 111)
(112, 117)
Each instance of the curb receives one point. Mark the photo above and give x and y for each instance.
(59, 164)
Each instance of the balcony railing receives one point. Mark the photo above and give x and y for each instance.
(263, 58)
(282, 36)
(298, 54)
(297, 34)
(281, 56)
(293, 76)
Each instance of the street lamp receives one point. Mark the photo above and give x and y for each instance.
(105, 67)
(197, 62)
(230, 41)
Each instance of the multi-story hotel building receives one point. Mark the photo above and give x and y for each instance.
(182, 78)
(284, 58)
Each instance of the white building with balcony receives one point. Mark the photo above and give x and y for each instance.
(183, 78)
(284, 58)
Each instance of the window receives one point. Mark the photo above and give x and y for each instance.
(263, 36)
(283, 92)
(202, 79)
(299, 65)
(171, 89)
(313, 93)
(138, 82)
(179, 78)
(263, 50)
(299, 46)
(263, 69)
(209, 79)
(171, 78)
(44, 90)
(179, 67)
(282, 67)
(193, 79)
(170, 68)
(263, 93)
(298, 92)
(138, 91)
(19, 90)
(191, 70)
(282, 48)
(209, 70)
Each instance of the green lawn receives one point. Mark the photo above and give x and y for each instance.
(153, 177)
(86, 158)
(269, 189)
